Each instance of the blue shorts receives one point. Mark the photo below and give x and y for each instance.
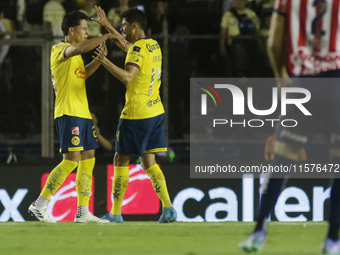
(141, 136)
(76, 134)
(324, 106)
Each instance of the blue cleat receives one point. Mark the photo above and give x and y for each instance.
(331, 246)
(116, 218)
(254, 242)
(169, 215)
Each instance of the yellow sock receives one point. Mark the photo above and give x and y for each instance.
(57, 177)
(119, 186)
(84, 181)
(158, 182)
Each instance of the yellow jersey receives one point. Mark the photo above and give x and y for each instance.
(68, 79)
(142, 99)
(231, 22)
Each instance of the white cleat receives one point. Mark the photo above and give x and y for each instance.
(89, 218)
(40, 213)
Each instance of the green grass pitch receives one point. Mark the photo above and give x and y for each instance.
(149, 238)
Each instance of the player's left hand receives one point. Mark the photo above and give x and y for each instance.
(103, 46)
(101, 55)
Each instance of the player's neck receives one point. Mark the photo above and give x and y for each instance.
(138, 36)
(69, 40)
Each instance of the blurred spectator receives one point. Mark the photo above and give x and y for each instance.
(33, 18)
(53, 14)
(155, 18)
(239, 50)
(269, 150)
(113, 14)
(265, 25)
(8, 13)
(4, 48)
(180, 63)
(79, 3)
(20, 13)
(94, 27)
(227, 5)
(103, 142)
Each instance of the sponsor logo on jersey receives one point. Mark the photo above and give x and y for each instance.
(153, 47)
(136, 48)
(80, 72)
(75, 130)
(150, 103)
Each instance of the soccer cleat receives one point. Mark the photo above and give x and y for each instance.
(331, 247)
(115, 218)
(88, 218)
(254, 242)
(169, 215)
(40, 213)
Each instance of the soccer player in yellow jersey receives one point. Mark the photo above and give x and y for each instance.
(140, 129)
(74, 124)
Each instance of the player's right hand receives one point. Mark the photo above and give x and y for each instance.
(118, 39)
(102, 19)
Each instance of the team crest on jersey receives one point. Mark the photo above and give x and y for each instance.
(80, 72)
(75, 130)
(75, 140)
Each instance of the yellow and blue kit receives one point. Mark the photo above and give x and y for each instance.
(140, 127)
(73, 119)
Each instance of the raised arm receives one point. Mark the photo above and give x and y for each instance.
(103, 21)
(87, 45)
(124, 75)
(93, 65)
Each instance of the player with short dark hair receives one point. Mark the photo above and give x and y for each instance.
(313, 48)
(140, 129)
(74, 124)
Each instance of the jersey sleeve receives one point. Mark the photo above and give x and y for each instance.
(252, 15)
(136, 55)
(280, 7)
(58, 53)
(225, 19)
(48, 13)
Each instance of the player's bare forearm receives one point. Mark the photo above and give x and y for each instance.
(124, 48)
(91, 68)
(125, 76)
(121, 74)
(276, 45)
(85, 46)
(104, 142)
(103, 21)
(113, 31)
